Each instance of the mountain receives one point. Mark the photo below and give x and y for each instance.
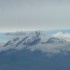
(24, 40)
(36, 41)
(32, 38)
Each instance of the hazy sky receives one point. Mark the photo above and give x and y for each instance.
(34, 14)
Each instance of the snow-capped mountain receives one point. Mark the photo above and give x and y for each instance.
(35, 41)
(33, 38)
(30, 39)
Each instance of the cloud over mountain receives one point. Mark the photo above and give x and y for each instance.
(61, 35)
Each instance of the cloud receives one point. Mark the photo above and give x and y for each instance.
(51, 49)
(34, 15)
(61, 35)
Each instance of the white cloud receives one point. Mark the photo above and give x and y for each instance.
(61, 35)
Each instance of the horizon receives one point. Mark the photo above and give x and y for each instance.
(50, 30)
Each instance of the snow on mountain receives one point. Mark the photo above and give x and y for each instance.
(37, 41)
(25, 39)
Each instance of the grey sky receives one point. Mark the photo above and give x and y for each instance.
(34, 14)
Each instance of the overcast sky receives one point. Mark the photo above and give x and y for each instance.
(34, 14)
